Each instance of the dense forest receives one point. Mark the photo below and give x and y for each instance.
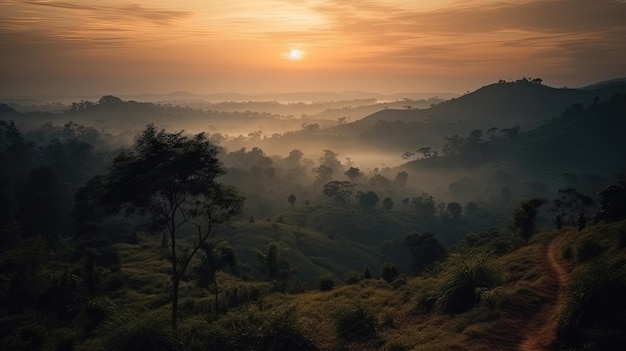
(351, 225)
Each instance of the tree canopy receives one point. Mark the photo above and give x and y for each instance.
(172, 178)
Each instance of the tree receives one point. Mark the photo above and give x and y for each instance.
(454, 209)
(612, 203)
(292, 199)
(424, 205)
(389, 271)
(387, 203)
(407, 155)
(401, 179)
(424, 250)
(353, 174)
(571, 204)
(380, 181)
(525, 215)
(215, 256)
(427, 151)
(367, 200)
(172, 178)
(454, 144)
(340, 191)
(275, 265)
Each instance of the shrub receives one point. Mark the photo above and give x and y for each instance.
(325, 283)
(594, 315)
(588, 250)
(355, 324)
(139, 334)
(460, 294)
(352, 278)
(399, 281)
(389, 271)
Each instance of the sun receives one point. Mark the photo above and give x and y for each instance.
(294, 54)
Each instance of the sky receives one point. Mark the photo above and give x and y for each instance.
(263, 46)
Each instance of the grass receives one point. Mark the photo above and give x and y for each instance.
(505, 292)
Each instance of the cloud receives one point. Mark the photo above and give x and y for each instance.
(122, 13)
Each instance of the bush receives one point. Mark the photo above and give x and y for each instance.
(353, 278)
(460, 294)
(355, 324)
(594, 315)
(326, 283)
(139, 334)
(389, 272)
(588, 250)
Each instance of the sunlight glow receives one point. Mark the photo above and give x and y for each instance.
(294, 54)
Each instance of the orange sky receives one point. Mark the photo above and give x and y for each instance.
(136, 46)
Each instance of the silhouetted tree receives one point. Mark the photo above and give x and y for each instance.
(389, 272)
(387, 203)
(292, 199)
(366, 273)
(571, 203)
(338, 191)
(353, 174)
(612, 203)
(401, 179)
(427, 151)
(380, 181)
(172, 178)
(215, 256)
(367, 200)
(424, 250)
(525, 215)
(275, 265)
(424, 205)
(454, 209)
(454, 145)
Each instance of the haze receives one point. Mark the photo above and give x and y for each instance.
(124, 47)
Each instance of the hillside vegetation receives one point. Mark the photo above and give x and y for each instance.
(177, 242)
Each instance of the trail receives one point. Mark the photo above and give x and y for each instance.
(539, 335)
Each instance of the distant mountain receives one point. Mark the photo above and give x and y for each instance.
(512, 102)
(502, 105)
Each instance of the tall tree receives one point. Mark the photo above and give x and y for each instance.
(173, 179)
(571, 204)
(525, 215)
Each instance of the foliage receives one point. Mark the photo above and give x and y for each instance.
(389, 272)
(460, 293)
(340, 191)
(572, 203)
(172, 178)
(367, 200)
(292, 199)
(612, 203)
(525, 215)
(594, 311)
(276, 266)
(215, 256)
(325, 283)
(355, 323)
(454, 209)
(139, 334)
(424, 249)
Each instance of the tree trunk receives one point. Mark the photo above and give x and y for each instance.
(175, 282)
(216, 294)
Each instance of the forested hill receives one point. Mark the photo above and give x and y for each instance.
(522, 102)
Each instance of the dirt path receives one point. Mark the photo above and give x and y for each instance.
(539, 334)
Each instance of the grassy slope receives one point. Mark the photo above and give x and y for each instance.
(404, 313)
